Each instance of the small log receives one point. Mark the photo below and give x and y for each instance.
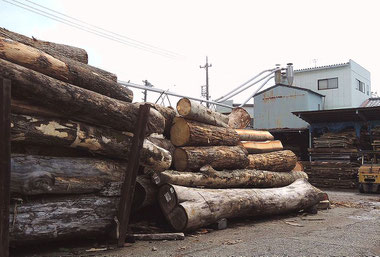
(191, 208)
(161, 141)
(219, 157)
(192, 110)
(157, 237)
(97, 140)
(254, 135)
(192, 133)
(298, 167)
(76, 74)
(262, 147)
(54, 49)
(210, 178)
(239, 118)
(274, 161)
(74, 102)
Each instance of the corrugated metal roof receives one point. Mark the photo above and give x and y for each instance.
(323, 67)
(282, 85)
(371, 102)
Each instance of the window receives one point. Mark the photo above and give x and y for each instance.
(360, 86)
(327, 83)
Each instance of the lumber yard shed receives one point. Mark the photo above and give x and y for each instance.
(274, 106)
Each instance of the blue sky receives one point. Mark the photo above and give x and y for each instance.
(240, 37)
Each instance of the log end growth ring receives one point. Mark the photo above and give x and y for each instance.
(184, 106)
(180, 159)
(180, 132)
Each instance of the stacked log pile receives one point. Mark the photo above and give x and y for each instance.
(220, 171)
(71, 131)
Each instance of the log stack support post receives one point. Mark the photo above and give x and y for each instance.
(128, 187)
(5, 164)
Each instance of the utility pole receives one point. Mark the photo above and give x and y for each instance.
(145, 92)
(204, 89)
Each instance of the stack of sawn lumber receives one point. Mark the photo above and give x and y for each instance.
(220, 172)
(71, 130)
(334, 159)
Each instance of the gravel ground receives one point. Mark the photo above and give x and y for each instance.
(350, 228)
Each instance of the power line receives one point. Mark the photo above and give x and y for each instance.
(108, 31)
(89, 30)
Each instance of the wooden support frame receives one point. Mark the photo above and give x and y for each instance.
(128, 187)
(5, 164)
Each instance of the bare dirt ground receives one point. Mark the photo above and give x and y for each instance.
(350, 228)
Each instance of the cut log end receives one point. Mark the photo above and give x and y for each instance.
(184, 106)
(180, 132)
(178, 218)
(167, 198)
(180, 159)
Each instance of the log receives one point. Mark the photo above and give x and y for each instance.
(168, 113)
(219, 157)
(73, 73)
(37, 175)
(239, 118)
(24, 107)
(192, 133)
(192, 110)
(97, 140)
(61, 218)
(54, 49)
(298, 167)
(160, 141)
(191, 208)
(254, 135)
(74, 102)
(262, 147)
(210, 178)
(274, 161)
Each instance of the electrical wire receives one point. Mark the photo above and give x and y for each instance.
(89, 30)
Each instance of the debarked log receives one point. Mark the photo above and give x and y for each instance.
(192, 110)
(262, 147)
(36, 175)
(54, 49)
(254, 135)
(192, 133)
(188, 208)
(210, 178)
(75, 102)
(274, 161)
(97, 140)
(74, 73)
(219, 157)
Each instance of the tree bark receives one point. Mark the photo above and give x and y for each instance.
(219, 157)
(274, 161)
(262, 147)
(74, 102)
(210, 178)
(192, 133)
(168, 113)
(239, 118)
(97, 140)
(254, 135)
(54, 49)
(191, 208)
(73, 73)
(24, 107)
(161, 141)
(192, 110)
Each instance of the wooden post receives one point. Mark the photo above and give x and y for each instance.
(128, 187)
(5, 164)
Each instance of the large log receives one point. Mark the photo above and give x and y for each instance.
(210, 178)
(73, 73)
(274, 161)
(190, 208)
(192, 133)
(192, 110)
(54, 49)
(97, 140)
(254, 135)
(219, 157)
(75, 102)
(262, 147)
(239, 118)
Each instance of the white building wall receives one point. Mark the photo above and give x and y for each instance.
(340, 97)
(358, 72)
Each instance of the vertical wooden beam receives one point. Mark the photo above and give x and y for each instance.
(5, 164)
(128, 187)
